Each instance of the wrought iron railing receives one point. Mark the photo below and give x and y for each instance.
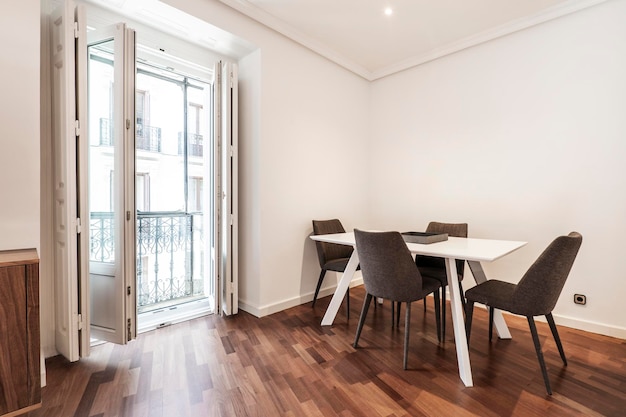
(170, 261)
(147, 138)
(195, 144)
(102, 237)
(106, 132)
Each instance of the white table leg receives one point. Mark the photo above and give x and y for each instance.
(498, 319)
(460, 339)
(340, 291)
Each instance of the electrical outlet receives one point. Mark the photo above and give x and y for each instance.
(580, 299)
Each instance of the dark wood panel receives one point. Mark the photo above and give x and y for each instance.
(287, 364)
(20, 378)
(32, 333)
(13, 342)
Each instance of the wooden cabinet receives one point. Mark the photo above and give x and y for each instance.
(20, 378)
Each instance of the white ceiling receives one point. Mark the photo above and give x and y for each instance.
(359, 36)
(158, 17)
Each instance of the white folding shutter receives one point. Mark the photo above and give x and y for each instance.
(226, 155)
(64, 121)
(130, 224)
(82, 158)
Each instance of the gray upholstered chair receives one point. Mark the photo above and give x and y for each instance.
(389, 272)
(332, 257)
(433, 267)
(536, 293)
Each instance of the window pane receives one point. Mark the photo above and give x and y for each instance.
(159, 135)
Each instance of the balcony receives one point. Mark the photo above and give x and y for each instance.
(195, 144)
(170, 261)
(147, 138)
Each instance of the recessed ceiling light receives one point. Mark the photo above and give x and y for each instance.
(388, 11)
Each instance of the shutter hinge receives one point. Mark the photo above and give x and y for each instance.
(232, 151)
(78, 226)
(128, 290)
(76, 31)
(231, 79)
(128, 215)
(77, 128)
(231, 219)
(79, 320)
(129, 333)
(127, 124)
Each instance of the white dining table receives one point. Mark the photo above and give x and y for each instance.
(473, 250)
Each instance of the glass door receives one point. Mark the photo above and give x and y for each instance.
(110, 101)
(172, 127)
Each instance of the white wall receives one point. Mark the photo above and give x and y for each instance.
(524, 138)
(19, 124)
(20, 131)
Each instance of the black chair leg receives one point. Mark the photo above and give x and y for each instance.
(469, 313)
(348, 303)
(407, 325)
(491, 310)
(542, 364)
(424, 304)
(366, 305)
(398, 314)
(557, 339)
(395, 313)
(462, 295)
(436, 296)
(319, 285)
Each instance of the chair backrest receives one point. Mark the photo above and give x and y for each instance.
(453, 230)
(327, 252)
(387, 265)
(540, 287)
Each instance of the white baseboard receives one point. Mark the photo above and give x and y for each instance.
(42, 369)
(292, 302)
(578, 324)
(588, 326)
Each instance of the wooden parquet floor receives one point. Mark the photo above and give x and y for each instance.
(287, 364)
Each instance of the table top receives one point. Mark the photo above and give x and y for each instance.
(470, 249)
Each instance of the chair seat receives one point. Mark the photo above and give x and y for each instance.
(497, 294)
(430, 285)
(437, 273)
(338, 265)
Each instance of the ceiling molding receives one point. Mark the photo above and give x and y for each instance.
(295, 35)
(551, 13)
(324, 50)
